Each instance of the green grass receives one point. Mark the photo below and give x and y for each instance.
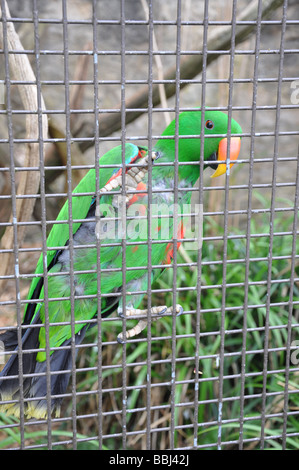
(185, 348)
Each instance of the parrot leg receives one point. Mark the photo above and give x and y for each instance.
(142, 324)
(133, 177)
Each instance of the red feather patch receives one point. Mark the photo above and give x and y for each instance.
(170, 246)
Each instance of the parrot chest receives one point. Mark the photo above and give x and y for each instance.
(137, 229)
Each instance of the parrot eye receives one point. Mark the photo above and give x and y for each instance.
(209, 124)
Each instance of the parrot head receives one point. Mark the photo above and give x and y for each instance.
(218, 147)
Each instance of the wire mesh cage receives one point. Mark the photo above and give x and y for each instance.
(87, 88)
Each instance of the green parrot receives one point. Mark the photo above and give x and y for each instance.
(92, 221)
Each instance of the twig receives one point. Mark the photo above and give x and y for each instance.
(77, 91)
(56, 152)
(159, 65)
(60, 148)
(187, 258)
(21, 71)
(185, 36)
(190, 67)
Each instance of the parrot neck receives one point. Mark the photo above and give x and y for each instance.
(186, 173)
(165, 186)
(163, 180)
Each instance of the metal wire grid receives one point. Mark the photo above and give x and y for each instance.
(224, 332)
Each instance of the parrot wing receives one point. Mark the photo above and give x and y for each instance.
(59, 234)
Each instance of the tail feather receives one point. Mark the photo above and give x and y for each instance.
(9, 376)
(10, 339)
(35, 387)
(60, 361)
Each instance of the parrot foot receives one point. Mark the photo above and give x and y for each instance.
(132, 178)
(142, 324)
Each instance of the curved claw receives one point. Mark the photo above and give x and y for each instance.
(120, 313)
(181, 310)
(120, 340)
(162, 311)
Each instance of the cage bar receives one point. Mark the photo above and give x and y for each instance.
(224, 374)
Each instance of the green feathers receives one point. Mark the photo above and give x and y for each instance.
(84, 255)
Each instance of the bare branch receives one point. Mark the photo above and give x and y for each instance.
(21, 70)
(160, 70)
(190, 67)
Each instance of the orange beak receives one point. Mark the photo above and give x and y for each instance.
(235, 145)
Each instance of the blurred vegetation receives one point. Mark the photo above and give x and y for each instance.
(185, 347)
